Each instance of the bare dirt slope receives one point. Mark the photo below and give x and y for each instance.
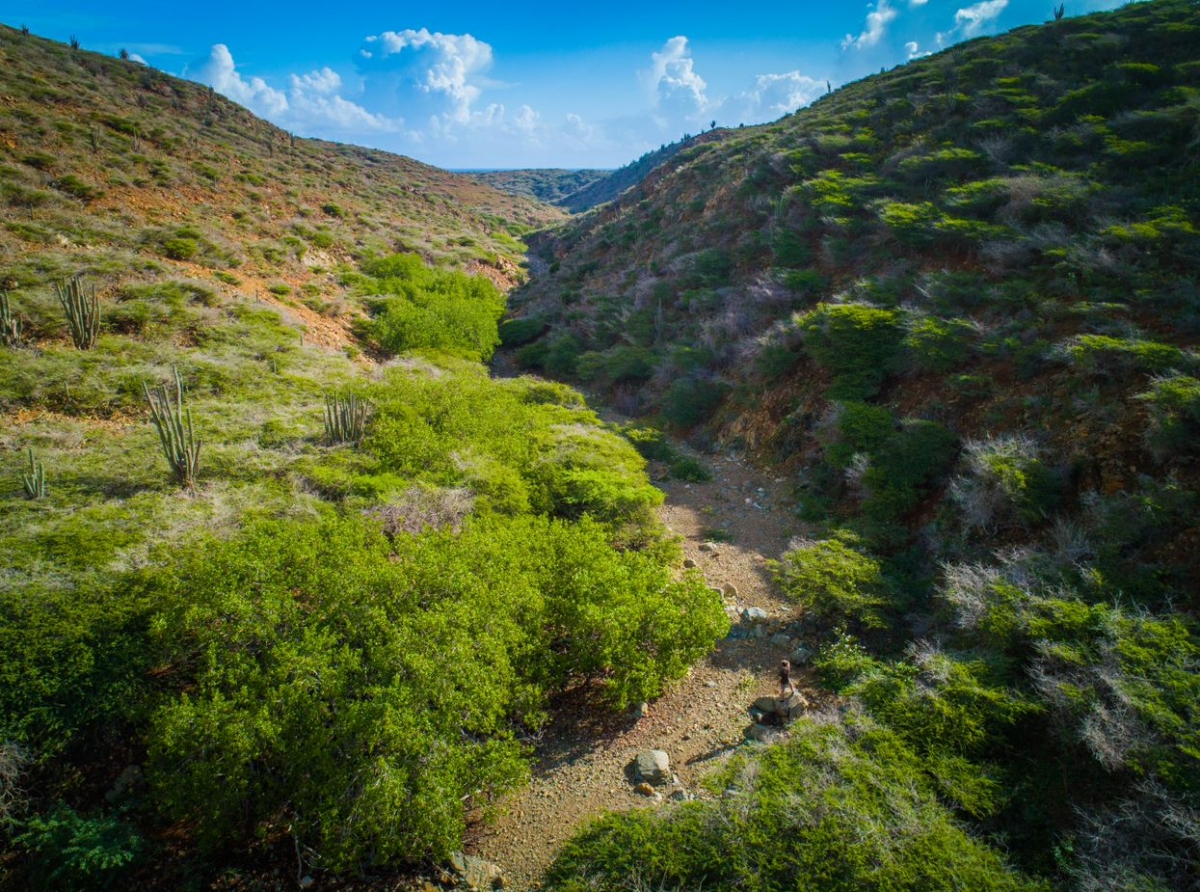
(730, 527)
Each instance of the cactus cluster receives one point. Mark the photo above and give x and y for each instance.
(174, 426)
(83, 312)
(345, 418)
(33, 479)
(10, 325)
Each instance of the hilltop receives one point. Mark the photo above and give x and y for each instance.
(955, 306)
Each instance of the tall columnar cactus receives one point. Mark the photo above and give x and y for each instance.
(345, 418)
(10, 325)
(83, 312)
(174, 426)
(33, 478)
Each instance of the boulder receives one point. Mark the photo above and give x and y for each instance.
(754, 615)
(781, 639)
(759, 733)
(765, 705)
(476, 873)
(689, 564)
(729, 590)
(654, 767)
(801, 656)
(709, 548)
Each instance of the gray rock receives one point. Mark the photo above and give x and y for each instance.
(758, 733)
(781, 639)
(681, 796)
(709, 548)
(729, 590)
(476, 873)
(654, 767)
(754, 615)
(760, 631)
(765, 705)
(689, 564)
(801, 656)
(641, 711)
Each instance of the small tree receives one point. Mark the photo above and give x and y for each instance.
(1059, 11)
(174, 426)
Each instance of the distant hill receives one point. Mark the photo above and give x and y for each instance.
(552, 186)
(611, 186)
(956, 306)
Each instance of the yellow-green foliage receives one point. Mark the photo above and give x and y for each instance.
(434, 309)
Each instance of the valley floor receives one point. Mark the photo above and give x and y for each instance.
(731, 527)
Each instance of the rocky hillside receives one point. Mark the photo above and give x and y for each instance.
(956, 305)
(109, 166)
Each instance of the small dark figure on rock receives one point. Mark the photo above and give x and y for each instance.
(785, 680)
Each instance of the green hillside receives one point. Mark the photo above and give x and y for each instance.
(286, 575)
(956, 303)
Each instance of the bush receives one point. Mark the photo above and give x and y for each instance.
(835, 582)
(430, 309)
(1174, 408)
(518, 332)
(836, 808)
(1005, 483)
(69, 851)
(365, 690)
(858, 344)
(689, 401)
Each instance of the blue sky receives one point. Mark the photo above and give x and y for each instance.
(467, 84)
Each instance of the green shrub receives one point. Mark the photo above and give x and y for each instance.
(518, 332)
(835, 582)
(69, 851)
(836, 808)
(1105, 355)
(618, 365)
(1173, 403)
(857, 344)
(689, 401)
(1005, 482)
(181, 248)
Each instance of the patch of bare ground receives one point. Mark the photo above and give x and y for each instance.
(730, 527)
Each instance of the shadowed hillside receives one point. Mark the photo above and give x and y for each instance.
(956, 303)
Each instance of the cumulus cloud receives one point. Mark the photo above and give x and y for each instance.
(971, 20)
(312, 102)
(675, 85)
(874, 29)
(447, 69)
(220, 72)
(134, 57)
(774, 95)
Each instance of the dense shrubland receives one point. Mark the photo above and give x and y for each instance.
(343, 632)
(956, 302)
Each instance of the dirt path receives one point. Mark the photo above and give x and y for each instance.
(730, 527)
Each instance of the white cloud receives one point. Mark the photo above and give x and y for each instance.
(874, 28)
(445, 67)
(311, 103)
(914, 50)
(675, 85)
(220, 72)
(134, 57)
(971, 20)
(774, 95)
